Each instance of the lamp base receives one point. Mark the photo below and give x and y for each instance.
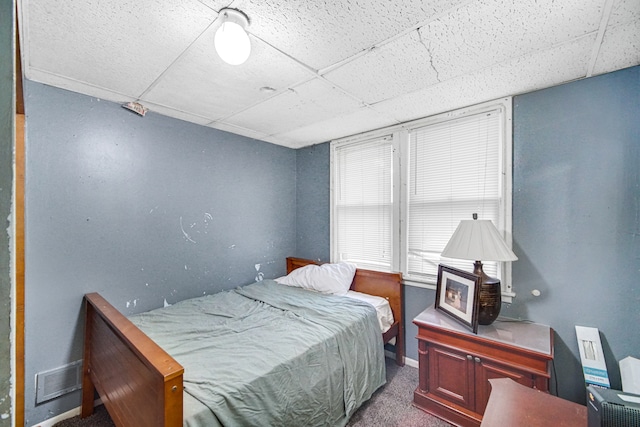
(490, 296)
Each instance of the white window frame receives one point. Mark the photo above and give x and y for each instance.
(400, 140)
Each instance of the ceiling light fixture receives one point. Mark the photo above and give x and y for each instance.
(231, 40)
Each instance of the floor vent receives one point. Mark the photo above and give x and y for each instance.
(56, 382)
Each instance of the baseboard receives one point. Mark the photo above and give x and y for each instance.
(409, 362)
(69, 414)
(52, 421)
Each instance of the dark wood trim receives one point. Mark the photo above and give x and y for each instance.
(445, 410)
(19, 148)
(18, 78)
(20, 269)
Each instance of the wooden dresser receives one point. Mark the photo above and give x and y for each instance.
(455, 365)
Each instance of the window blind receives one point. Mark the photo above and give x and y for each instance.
(454, 171)
(363, 207)
(396, 199)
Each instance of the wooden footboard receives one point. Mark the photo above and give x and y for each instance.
(138, 382)
(386, 285)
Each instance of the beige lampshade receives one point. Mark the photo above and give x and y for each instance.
(478, 240)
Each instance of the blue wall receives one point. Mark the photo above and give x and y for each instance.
(142, 210)
(312, 203)
(576, 217)
(576, 220)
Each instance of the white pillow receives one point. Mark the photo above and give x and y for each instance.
(326, 278)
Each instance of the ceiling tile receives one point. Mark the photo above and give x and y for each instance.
(543, 69)
(399, 67)
(171, 112)
(322, 33)
(466, 40)
(124, 44)
(64, 82)
(315, 100)
(624, 11)
(486, 33)
(337, 67)
(215, 5)
(620, 48)
(201, 83)
(361, 120)
(249, 133)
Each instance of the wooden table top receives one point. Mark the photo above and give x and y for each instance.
(512, 404)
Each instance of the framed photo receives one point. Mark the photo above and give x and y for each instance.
(457, 295)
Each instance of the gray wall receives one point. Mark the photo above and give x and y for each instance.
(7, 112)
(576, 220)
(142, 210)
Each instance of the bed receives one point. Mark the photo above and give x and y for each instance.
(140, 382)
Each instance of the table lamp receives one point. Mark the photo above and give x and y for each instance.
(480, 240)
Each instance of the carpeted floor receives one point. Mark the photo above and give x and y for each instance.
(390, 406)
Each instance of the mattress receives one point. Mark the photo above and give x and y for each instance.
(383, 309)
(269, 354)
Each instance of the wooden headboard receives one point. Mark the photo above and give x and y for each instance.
(386, 285)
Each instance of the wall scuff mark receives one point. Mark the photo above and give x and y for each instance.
(186, 235)
(260, 275)
(207, 218)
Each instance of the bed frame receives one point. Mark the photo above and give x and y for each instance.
(138, 382)
(386, 285)
(141, 385)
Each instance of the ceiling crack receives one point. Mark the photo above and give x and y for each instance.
(428, 49)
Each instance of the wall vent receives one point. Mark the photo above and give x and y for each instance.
(56, 382)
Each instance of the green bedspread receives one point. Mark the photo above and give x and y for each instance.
(271, 355)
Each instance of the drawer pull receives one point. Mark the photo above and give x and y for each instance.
(477, 359)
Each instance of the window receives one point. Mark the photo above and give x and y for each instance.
(364, 203)
(398, 194)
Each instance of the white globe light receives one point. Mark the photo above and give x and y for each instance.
(232, 41)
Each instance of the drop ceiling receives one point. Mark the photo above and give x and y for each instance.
(321, 70)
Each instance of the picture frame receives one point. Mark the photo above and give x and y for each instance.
(457, 295)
